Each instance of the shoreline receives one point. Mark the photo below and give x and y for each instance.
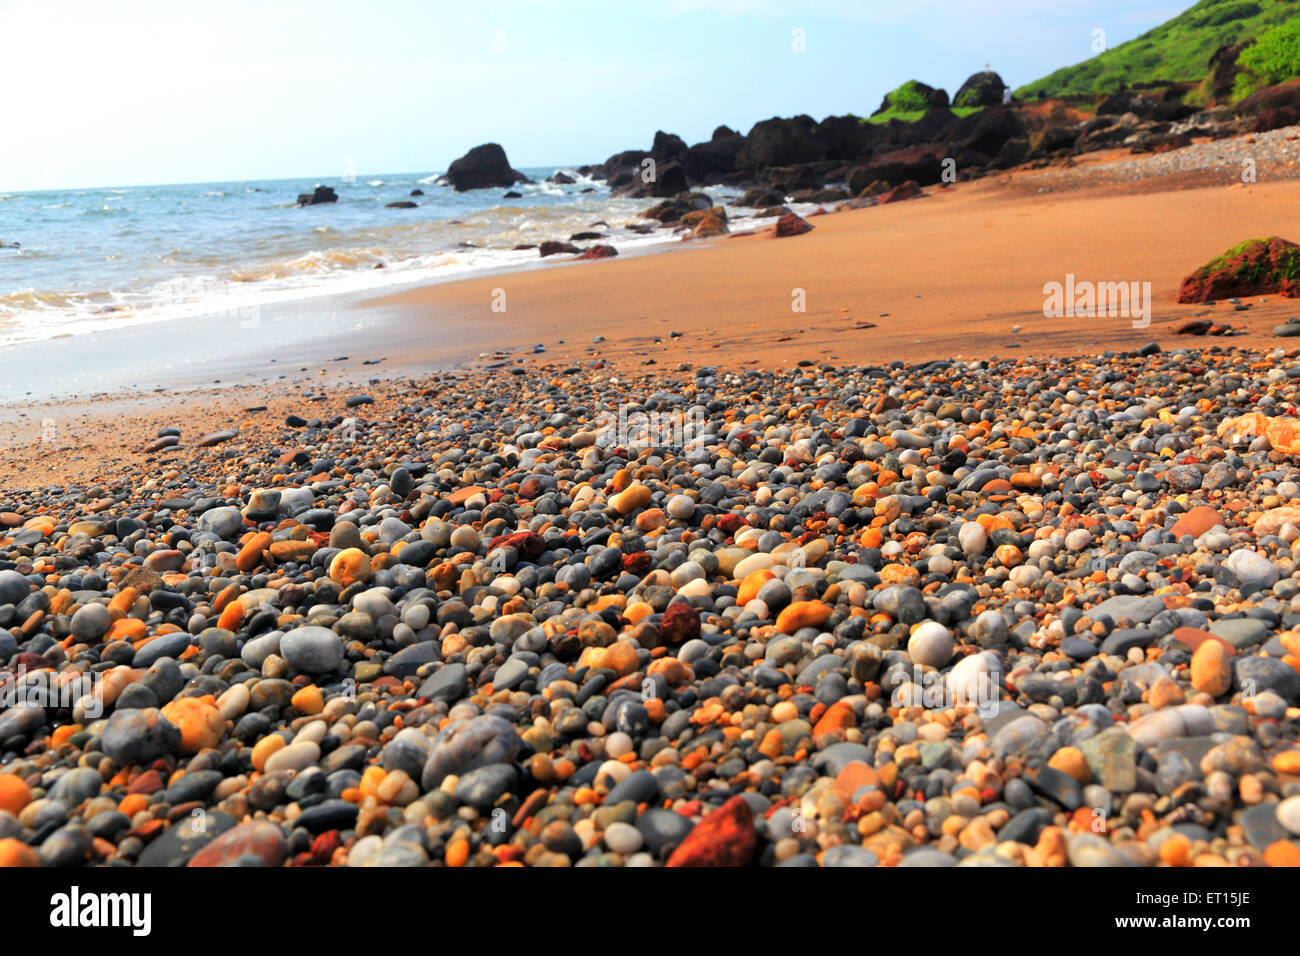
(948, 276)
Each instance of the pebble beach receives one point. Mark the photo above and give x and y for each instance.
(1029, 612)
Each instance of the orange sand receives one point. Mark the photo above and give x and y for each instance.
(946, 276)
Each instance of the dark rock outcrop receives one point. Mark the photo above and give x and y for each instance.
(1272, 98)
(598, 252)
(1127, 101)
(781, 142)
(666, 146)
(760, 198)
(908, 190)
(988, 130)
(923, 164)
(981, 89)
(553, 248)
(483, 167)
(658, 179)
(1276, 118)
(791, 179)
(845, 137)
(711, 162)
(320, 195)
(918, 96)
(620, 168)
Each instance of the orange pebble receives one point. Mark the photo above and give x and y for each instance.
(231, 616)
(1288, 761)
(126, 629)
(122, 602)
(752, 584)
(457, 853)
(371, 779)
(14, 793)
(1282, 853)
(61, 734)
(133, 803)
(1176, 851)
(17, 853)
(309, 700)
(250, 555)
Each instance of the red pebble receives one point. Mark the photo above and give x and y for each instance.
(726, 837)
(323, 847)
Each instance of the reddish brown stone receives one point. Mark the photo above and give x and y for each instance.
(726, 837)
(680, 623)
(528, 544)
(323, 847)
(597, 252)
(908, 190)
(731, 522)
(261, 838)
(791, 225)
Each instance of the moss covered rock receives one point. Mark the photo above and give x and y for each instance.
(1256, 267)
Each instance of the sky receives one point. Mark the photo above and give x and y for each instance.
(128, 93)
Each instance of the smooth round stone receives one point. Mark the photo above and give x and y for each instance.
(223, 522)
(1253, 570)
(139, 736)
(374, 603)
(465, 537)
(698, 588)
(416, 617)
(312, 649)
(681, 507)
(623, 838)
(755, 562)
(1078, 539)
(1288, 814)
(617, 744)
(846, 855)
(294, 757)
(972, 538)
(510, 674)
(13, 587)
(685, 572)
(91, 622)
(930, 644)
(345, 535)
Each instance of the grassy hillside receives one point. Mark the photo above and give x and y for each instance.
(1176, 51)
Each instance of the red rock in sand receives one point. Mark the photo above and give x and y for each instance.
(726, 837)
(791, 225)
(908, 190)
(597, 252)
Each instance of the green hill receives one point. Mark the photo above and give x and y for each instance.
(1177, 51)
